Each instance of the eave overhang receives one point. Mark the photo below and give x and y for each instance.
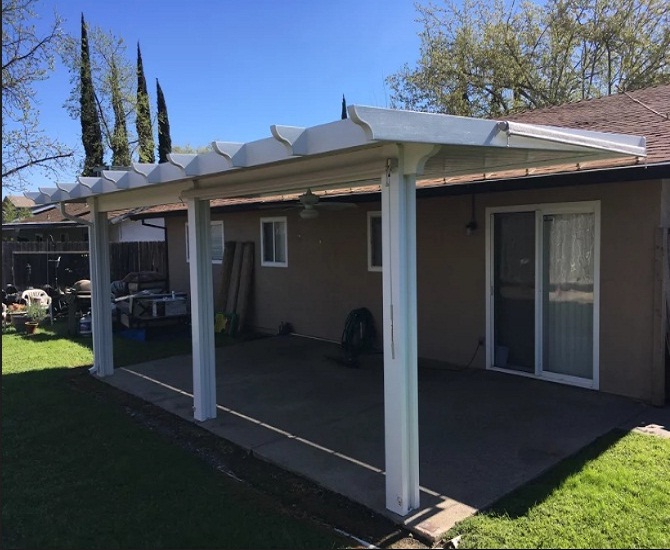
(342, 153)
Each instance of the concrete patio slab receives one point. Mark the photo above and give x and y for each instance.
(482, 434)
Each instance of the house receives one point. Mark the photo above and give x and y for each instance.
(54, 242)
(533, 250)
(50, 223)
(47, 223)
(16, 202)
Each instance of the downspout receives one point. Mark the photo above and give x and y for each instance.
(165, 239)
(71, 217)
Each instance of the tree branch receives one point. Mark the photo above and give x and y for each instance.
(34, 162)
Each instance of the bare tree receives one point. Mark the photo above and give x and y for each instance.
(27, 58)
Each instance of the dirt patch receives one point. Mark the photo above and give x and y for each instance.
(299, 496)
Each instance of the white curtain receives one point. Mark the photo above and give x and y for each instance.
(568, 271)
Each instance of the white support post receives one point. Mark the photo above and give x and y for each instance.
(401, 402)
(101, 296)
(202, 310)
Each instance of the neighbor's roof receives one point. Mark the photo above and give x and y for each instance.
(52, 215)
(20, 201)
(643, 112)
(334, 154)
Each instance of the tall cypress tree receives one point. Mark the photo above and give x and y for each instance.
(144, 131)
(91, 135)
(164, 139)
(120, 147)
(344, 107)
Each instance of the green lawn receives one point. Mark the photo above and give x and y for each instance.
(613, 494)
(78, 472)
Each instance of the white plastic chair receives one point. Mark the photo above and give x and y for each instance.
(41, 297)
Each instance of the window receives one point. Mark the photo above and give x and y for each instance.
(273, 242)
(216, 238)
(374, 241)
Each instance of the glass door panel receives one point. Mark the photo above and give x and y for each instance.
(568, 294)
(514, 291)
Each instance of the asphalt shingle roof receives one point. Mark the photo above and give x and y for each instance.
(642, 113)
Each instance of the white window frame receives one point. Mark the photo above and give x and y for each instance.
(581, 207)
(273, 220)
(213, 225)
(377, 268)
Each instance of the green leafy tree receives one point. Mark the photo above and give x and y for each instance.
(91, 136)
(27, 58)
(12, 213)
(188, 149)
(487, 58)
(143, 121)
(119, 143)
(164, 139)
(113, 80)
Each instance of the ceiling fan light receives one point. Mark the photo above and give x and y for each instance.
(308, 198)
(309, 214)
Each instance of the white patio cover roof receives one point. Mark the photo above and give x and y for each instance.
(340, 153)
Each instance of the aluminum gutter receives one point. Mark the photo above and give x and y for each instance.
(626, 145)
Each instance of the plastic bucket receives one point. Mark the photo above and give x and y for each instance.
(85, 325)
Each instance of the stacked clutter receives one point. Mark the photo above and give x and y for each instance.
(236, 283)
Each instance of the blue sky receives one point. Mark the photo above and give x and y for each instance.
(230, 69)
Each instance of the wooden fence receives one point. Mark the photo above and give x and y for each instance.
(60, 264)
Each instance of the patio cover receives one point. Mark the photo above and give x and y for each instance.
(339, 153)
(373, 145)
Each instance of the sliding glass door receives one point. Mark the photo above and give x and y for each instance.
(543, 279)
(514, 291)
(567, 294)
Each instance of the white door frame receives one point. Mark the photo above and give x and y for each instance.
(540, 209)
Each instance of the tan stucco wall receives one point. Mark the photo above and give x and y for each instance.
(665, 203)
(327, 274)
(630, 219)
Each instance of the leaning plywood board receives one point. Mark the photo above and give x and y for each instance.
(246, 281)
(231, 302)
(227, 268)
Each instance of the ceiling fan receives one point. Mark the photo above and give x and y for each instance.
(310, 204)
